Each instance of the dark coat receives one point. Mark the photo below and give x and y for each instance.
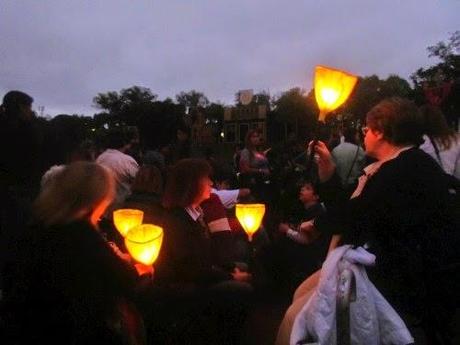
(403, 214)
(185, 257)
(67, 285)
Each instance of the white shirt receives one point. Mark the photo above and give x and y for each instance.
(450, 159)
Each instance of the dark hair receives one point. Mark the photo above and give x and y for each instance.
(435, 126)
(13, 100)
(249, 134)
(183, 182)
(350, 135)
(305, 182)
(115, 138)
(148, 180)
(398, 119)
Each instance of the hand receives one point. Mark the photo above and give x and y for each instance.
(265, 172)
(144, 270)
(283, 228)
(124, 256)
(307, 227)
(326, 165)
(244, 192)
(241, 276)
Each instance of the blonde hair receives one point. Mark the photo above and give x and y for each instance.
(74, 193)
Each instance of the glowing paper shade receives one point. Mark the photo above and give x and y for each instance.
(250, 216)
(126, 218)
(332, 88)
(144, 242)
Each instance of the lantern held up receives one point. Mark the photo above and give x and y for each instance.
(250, 216)
(144, 243)
(332, 89)
(126, 218)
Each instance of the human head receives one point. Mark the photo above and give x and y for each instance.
(349, 135)
(252, 138)
(148, 180)
(18, 104)
(308, 193)
(186, 183)
(436, 127)
(81, 191)
(392, 122)
(182, 133)
(115, 139)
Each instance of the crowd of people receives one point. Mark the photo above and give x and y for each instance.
(388, 189)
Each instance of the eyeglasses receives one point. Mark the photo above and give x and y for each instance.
(365, 129)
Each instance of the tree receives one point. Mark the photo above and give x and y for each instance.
(294, 110)
(192, 99)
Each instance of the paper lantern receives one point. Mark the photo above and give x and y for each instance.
(144, 243)
(126, 218)
(332, 89)
(250, 216)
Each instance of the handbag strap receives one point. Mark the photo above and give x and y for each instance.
(352, 164)
(436, 150)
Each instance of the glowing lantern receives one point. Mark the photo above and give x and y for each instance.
(250, 216)
(144, 242)
(332, 88)
(126, 218)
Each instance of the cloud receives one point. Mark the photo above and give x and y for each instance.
(65, 52)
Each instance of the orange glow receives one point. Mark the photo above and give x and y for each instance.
(250, 216)
(332, 88)
(144, 243)
(126, 218)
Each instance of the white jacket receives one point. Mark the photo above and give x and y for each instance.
(372, 320)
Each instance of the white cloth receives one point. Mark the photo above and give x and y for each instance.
(124, 169)
(450, 159)
(228, 197)
(372, 320)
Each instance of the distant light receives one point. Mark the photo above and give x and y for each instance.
(93, 129)
(222, 134)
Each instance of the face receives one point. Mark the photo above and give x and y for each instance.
(372, 140)
(26, 111)
(307, 194)
(205, 189)
(255, 139)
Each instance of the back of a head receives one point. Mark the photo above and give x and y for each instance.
(183, 182)
(349, 135)
(13, 101)
(399, 121)
(74, 193)
(436, 127)
(115, 139)
(148, 180)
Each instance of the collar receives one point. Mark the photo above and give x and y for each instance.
(371, 169)
(195, 213)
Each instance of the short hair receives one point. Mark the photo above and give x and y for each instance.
(349, 135)
(183, 182)
(115, 138)
(148, 180)
(398, 119)
(305, 182)
(13, 100)
(74, 193)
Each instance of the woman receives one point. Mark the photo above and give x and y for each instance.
(71, 287)
(185, 258)
(253, 164)
(440, 141)
(206, 303)
(400, 211)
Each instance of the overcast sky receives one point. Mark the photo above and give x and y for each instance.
(63, 52)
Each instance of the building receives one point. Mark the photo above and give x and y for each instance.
(240, 119)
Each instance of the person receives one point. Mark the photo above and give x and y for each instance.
(199, 290)
(439, 141)
(20, 170)
(254, 166)
(70, 286)
(123, 166)
(400, 212)
(349, 159)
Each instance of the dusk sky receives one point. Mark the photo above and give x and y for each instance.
(63, 52)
